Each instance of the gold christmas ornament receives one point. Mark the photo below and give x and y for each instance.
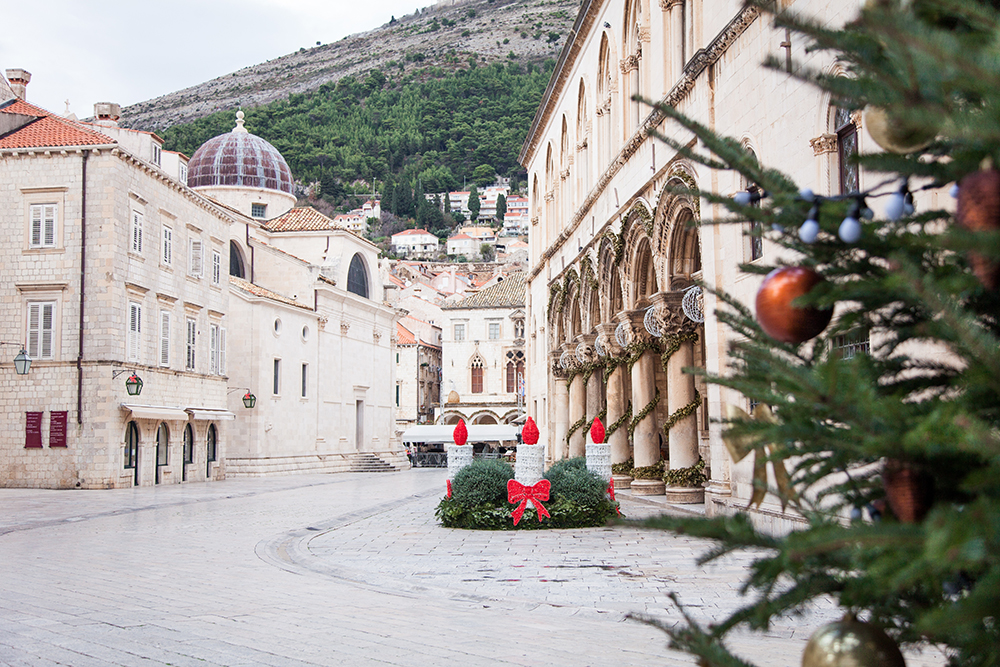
(851, 643)
(894, 135)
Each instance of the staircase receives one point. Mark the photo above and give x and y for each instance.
(370, 463)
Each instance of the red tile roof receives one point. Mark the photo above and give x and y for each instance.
(257, 290)
(301, 219)
(404, 336)
(411, 232)
(49, 130)
(508, 293)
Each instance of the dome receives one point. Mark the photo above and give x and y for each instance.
(240, 159)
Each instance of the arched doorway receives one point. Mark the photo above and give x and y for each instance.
(237, 267)
(132, 450)
(162, 449)
(211, 450)
(188, 453)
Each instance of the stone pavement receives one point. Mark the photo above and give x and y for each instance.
(346, 569)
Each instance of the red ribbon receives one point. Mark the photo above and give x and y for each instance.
(611, 493)
(449, 487)
(519, 493)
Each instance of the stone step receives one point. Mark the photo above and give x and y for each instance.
(370, 463)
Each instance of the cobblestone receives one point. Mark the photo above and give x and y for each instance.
(346, 569)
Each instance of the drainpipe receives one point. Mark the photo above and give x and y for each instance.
(83, 272)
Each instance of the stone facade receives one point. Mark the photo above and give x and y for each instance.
(613, 234)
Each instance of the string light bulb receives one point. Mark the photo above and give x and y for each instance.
(850, 228)
(810, 228)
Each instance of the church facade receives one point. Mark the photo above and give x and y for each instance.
(616, 240)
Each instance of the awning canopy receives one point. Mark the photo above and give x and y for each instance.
(210, 414)
(155, 412)
(446, 433)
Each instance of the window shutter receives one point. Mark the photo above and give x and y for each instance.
(48, 312)
(213, 349)
(196, 259)
(34, 329)
(36, 226)
(49, 225)
(191, 334)
(168, 241)
(164, 339)
(136, 231)
(134, 331)
(216, 267)
(222, 351)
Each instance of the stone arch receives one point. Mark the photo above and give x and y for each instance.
(643, 278)
(607, 92)
(572, 324)
(634, 20)
(565, 197)
(550, 184)
(357, 276)
(484, 417)
(450, 418)
(678, 206)
(510, 416)
(237, 261)
(582, 146)
(610, 284)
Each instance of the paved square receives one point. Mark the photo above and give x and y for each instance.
(346, 569)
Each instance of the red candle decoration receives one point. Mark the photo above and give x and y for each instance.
(979, 211)
(461, 433)
(597, 431)
(778, 317)
(529, 434)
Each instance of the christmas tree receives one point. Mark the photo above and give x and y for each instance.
(890, 454)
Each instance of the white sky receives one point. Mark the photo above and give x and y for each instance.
(129, 51)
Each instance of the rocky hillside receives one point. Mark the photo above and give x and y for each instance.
(443, 34)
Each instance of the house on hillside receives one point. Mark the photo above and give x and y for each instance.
(415, 244)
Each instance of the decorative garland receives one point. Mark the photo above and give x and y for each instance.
(626, 417)
(617, 244)
(686, 477)
(576, 427)
(644, 216)
(587, 370)
(654, 471)
(643, 413)
(623, 468)
(602, 415)
(689, 181)
(555, 294)
(587, 275)
(682, 413)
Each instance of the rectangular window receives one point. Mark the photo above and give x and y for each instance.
(277, 377)
(494, 330)
(43, 226)
(215, 349)
(164, 338)
(168, 245)
(216, 267)
(459, 332)
(195, 257)
(258, 210)
(397, 395)
(41, 329)
(182, 174)
(222, 351)
(134, 330)
(192, 330)
(305, 376)
(157, 154)
(851, 344)
(136, 232)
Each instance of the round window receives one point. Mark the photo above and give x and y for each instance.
(305, 333)
(277, 326)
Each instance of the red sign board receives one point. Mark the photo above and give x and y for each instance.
(33, 429)
(57, 428)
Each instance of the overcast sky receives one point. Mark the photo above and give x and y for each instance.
(128, 51)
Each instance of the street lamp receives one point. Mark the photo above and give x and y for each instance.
(22, 362)
(133, 385)
(249, 400)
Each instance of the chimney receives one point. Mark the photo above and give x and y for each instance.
(107, 113)
(18, 80)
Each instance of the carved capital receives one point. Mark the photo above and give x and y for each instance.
(376, 335)
(667, 5)
(321, 323)
(534, 221)
(582, 145)
(856, 118)
(345, 327)
(550, 195)
(825, 143)
(645, 34)
(564, 174)
(629, 63)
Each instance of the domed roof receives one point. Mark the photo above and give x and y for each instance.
(241, 159)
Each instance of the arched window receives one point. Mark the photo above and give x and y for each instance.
(477, 375)
(132, 450)
(211, 450)
(236, 266)
(847, 148)
(162, 448)
(357, 277)
(753, 246)
(515, 370)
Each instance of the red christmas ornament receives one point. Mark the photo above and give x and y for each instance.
(979, 211)
(778, 317)
(461, 433)
(597, 431)
(529, 433)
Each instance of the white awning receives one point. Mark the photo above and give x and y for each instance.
(158, 412)
(210, 414)
(446, 433)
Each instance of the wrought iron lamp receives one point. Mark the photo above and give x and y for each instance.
(133, 385)
(22, 362)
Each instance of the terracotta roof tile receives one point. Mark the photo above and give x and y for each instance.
(508, 293)
(49, 131)
(411, 232)
(301, 219)
(257, 290)
(404, 336)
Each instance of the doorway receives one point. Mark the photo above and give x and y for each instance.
(132, 451)
(162, 450)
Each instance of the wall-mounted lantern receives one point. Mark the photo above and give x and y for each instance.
(249, 400)
(133, 385)
(22, 362)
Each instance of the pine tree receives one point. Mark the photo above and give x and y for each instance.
(838, 434)
(474, 204)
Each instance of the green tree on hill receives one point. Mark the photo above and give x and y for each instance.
(474, 203)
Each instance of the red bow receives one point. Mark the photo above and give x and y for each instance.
(611, 493)
(519, 493)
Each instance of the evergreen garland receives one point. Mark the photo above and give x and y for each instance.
(576, 427)
(643, 413)
(682, 413)
(624, 419)
(686, 477)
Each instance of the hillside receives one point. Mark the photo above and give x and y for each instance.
(443, 35)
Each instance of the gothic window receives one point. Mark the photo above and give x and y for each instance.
(515, 370)
(847, 148)
(357, 277)
(477, 375)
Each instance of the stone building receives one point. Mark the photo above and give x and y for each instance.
(107, 274)
(616, 242)
(483, 354)
(418, 372)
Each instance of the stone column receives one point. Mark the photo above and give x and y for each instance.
(645, 440)
(559, 406)
(676, 39)
(577, 410)
(683, 435)
(617, 401)
(585, 354)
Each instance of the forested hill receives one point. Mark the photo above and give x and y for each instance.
(446, 33)
(432, 129)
